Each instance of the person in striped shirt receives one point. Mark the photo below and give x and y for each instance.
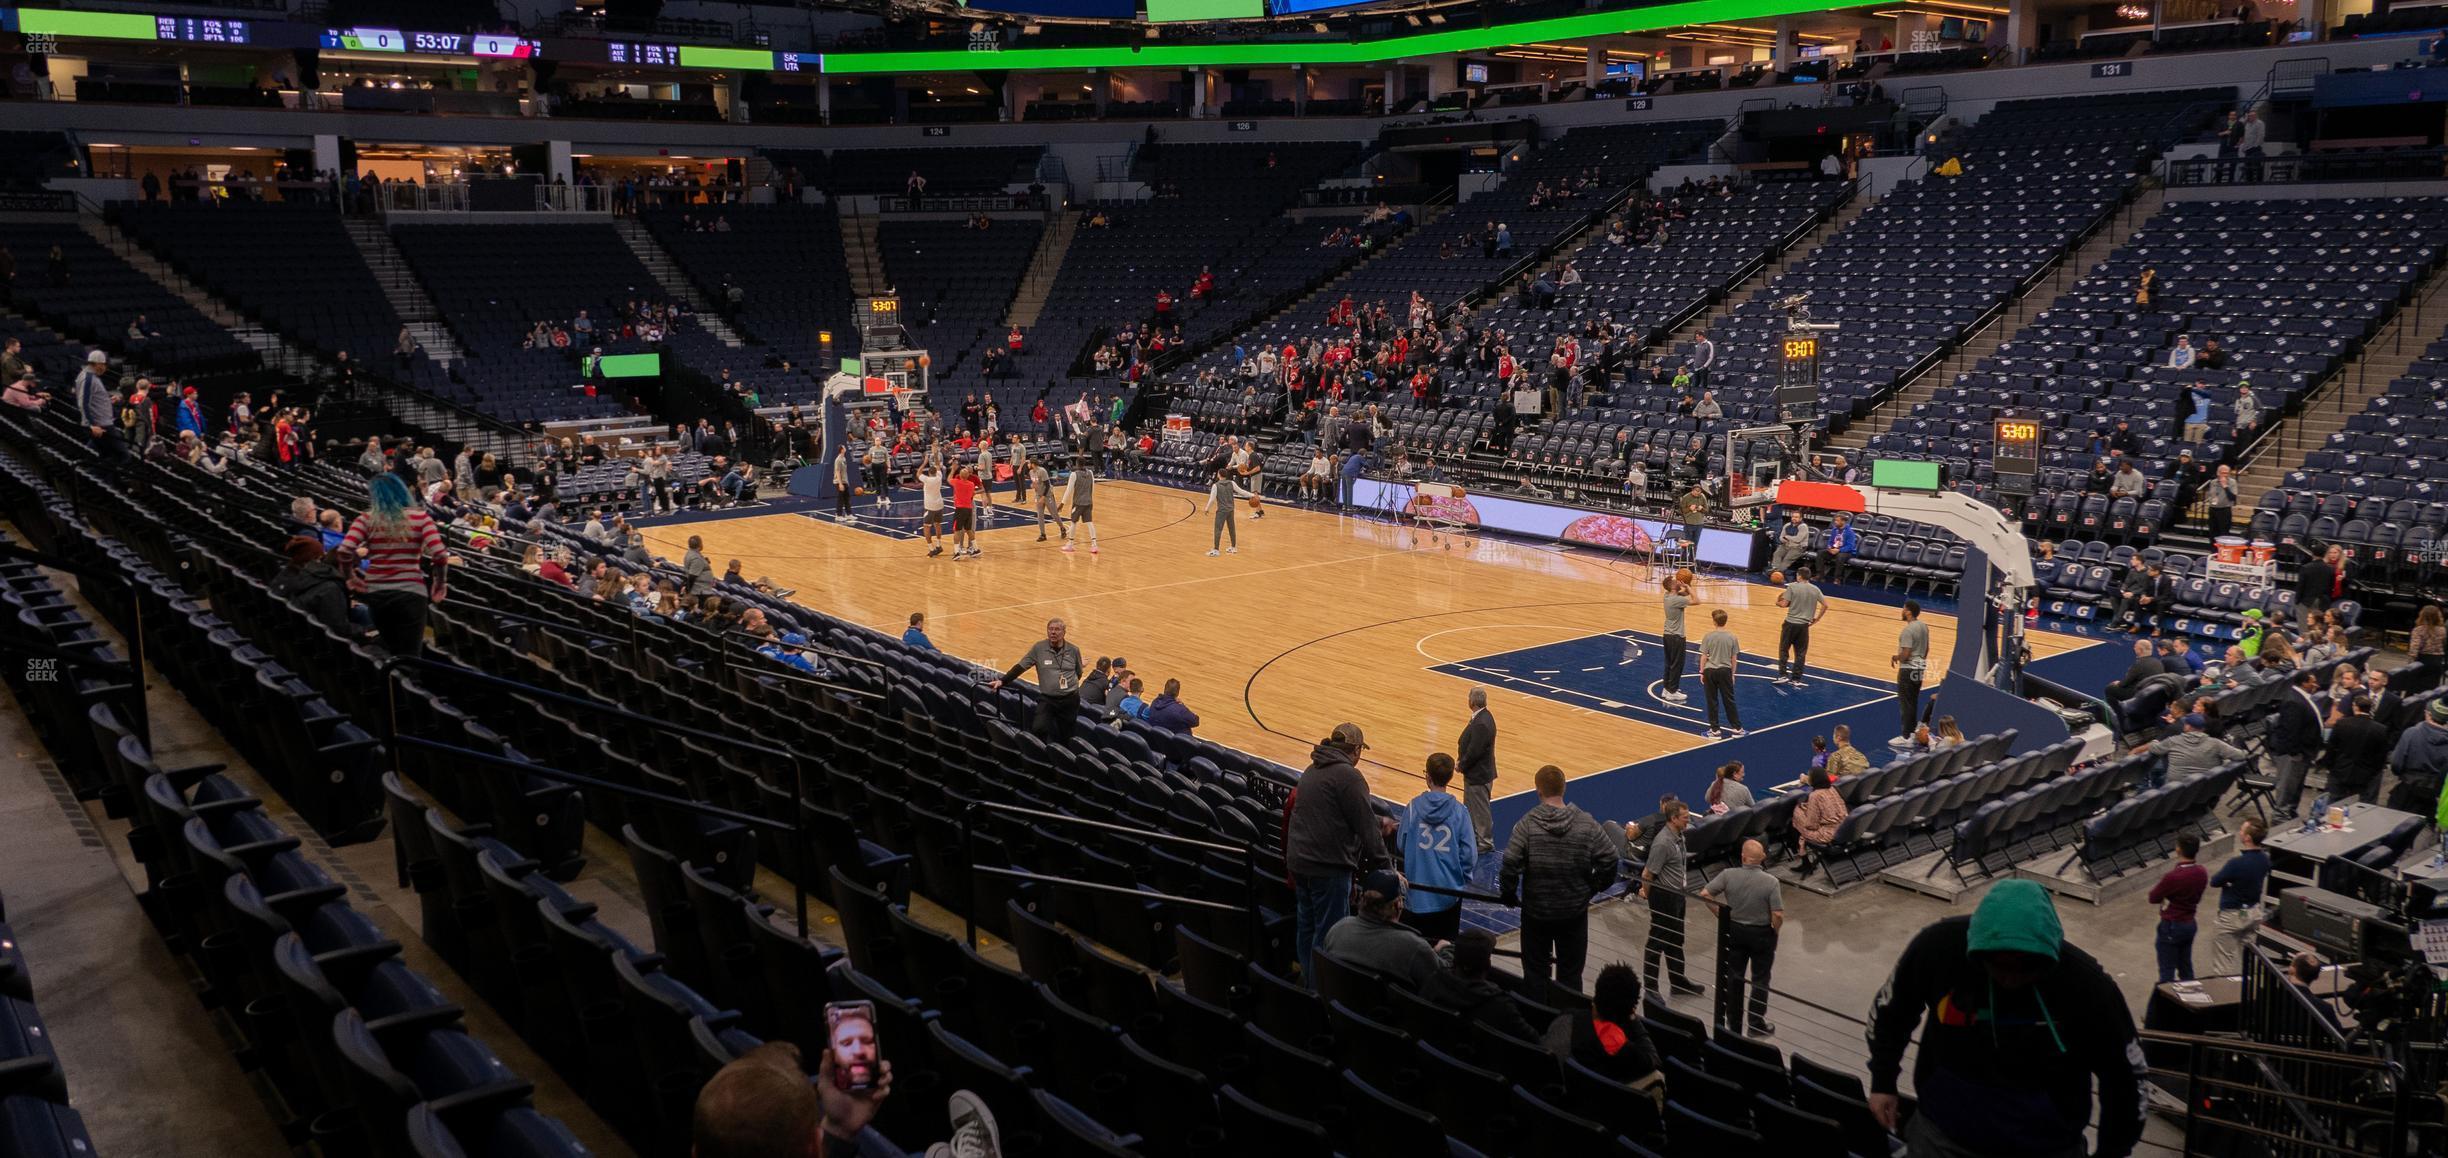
(395, 541)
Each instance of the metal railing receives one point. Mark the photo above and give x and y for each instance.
(573, 198)
(2378, 165)
(1248, 855)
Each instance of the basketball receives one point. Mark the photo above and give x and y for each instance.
(1683, 576)
(1777, 577)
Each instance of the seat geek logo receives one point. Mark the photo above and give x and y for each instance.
(985, 40)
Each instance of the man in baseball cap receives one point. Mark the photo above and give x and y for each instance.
(1333, 834)
(1374, 936)
(98, 410)
(2420, 761)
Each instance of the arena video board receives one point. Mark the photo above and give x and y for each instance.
(1178, 11)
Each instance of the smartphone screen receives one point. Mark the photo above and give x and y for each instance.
(850, 1028)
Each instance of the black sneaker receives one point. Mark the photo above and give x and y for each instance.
(1688, 989)
(1763, 1029)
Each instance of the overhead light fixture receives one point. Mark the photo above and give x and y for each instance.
(1413, 20)
(1436, 18)
(2133, 12)
(1031, 29)
(1319, 28)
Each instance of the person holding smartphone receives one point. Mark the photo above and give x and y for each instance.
(764, 1103)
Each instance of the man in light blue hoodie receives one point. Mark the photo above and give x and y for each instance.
(1439, 848)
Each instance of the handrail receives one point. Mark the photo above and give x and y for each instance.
(1249, 862)
(844, 656)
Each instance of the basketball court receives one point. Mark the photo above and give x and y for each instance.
(1322, 618)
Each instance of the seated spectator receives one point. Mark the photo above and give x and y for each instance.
(138, 330)
(764, 1104)
(2212, 357)
(1817, 818)
(915, 634)
(1467, 987)
(2183, 356)
(1844, 759)
(24, 394)
(1609, 1038)
(1374, 937)
(2127, 482)
(1169, 713)
(1132, 705)
(311, 584)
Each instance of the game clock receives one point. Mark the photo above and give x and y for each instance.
(2015, 456)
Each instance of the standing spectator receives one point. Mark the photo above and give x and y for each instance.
(1475, 753)
(842, 491)
(1703, 359)
(2420, 761)
(1718, 650)
(2293, 740)
(2240, 883)
(1058, 664)
(397, 542)
(2428, 645)
(1754, 907)
(1557, 857)
(1440, 847)
(2356, 752)
(2220, 493)
(2178, 895)
(2197, 412)
(99, 411)
(696, 569)
(1842, 545)
(1911, 662)
(2321, 582)
(1331, 835)
(2018, 1026)
(1666, 886)
(2249, 141)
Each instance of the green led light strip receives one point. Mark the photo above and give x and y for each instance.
(1322, 52)
(93, 25)
(744, 59)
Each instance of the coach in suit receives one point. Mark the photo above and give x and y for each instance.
(2294, 740)
(1475, 755)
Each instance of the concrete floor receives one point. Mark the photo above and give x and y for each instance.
(146, 1065)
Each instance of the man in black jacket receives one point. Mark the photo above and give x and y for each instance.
(1331, 835)
(2016, 1024)
(2294, 740)
(1557, 857)
(2320, 582)
(2145, 665)
(1475, 757)
(2357, 750)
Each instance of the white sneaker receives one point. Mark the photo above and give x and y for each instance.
(1092, 548)
(1213, 554)
(1232, 550)
(1716, 733)
(1734, 731)
(1068, 547)
(1800, 684)
(1780, 681)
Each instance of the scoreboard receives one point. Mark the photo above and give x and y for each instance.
(2015, 456)
(1797, 394)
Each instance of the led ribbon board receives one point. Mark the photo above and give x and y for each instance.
(1321, 51)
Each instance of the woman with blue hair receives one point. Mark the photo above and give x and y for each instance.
(396, 541)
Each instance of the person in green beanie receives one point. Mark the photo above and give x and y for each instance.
(2016, 1024)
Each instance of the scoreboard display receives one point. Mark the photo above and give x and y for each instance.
(2015, 457)
(412, 43)
(1797, 392)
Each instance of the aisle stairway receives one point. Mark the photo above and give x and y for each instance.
(675, 281)
(1029, 300)
(400, 285)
